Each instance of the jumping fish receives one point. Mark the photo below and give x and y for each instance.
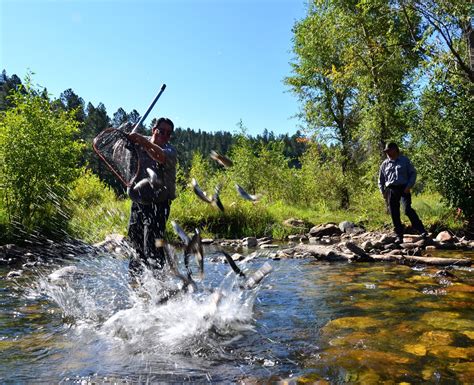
(192, 246)
(232, 264)
(201, 194)
(244, 194)
(257, 277)
(145, 189)
(195, 247)
(170, 256)
(180, 233)
(221, 159)
(216, 200)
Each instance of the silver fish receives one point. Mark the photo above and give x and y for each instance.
(170, 256)
(216, 200)
(244, 194)
(192, 246)
(145, 187)
(232, 264)
(195, 247)
(221, 159)
(180, 233)
(257, 277)
(201, 194)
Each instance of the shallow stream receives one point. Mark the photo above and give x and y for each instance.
(81, 320)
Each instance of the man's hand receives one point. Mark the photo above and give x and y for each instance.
(136, 138)
(407, 190)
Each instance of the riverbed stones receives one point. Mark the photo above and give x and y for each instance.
(329, 229)
(249, 242)
(444, 236)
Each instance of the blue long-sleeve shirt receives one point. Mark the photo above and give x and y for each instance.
(397, 172)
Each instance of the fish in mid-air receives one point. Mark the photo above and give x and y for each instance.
(191, 246)
(144, 190)
(221, 159)
(214, 200)
(244, 194)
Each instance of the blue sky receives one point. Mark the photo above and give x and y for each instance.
(222, 61)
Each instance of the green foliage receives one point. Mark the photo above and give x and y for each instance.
(95, 210)
(446, 142)
(88, 190)
(38, 161)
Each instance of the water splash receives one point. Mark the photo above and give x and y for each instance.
(100, 304)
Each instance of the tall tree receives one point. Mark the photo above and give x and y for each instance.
(7, 85)
(73, 102)
(323, 82)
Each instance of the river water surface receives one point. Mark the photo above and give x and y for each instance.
(81, 320)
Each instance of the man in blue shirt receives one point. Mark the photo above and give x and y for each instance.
(396, 178)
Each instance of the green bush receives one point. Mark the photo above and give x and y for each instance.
(38, 162)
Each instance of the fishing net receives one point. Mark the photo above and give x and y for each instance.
(118, 153)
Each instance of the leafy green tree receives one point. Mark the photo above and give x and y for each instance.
(38, 161)
(324, 83)
(445, 139)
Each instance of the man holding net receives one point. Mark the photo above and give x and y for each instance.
(148, 216)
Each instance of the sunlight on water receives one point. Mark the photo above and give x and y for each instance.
(82, 319)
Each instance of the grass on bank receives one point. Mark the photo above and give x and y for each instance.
(97, 212)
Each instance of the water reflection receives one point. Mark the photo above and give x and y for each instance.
(311, 321)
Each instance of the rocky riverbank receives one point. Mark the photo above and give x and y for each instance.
(330, 242)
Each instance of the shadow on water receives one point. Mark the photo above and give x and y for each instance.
(83, 320)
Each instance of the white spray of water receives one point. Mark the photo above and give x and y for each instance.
(98, 300)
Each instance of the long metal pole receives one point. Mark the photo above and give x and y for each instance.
(142, 119)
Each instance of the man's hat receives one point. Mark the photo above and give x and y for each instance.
(391, 146)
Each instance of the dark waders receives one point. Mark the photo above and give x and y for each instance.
(147, 224)
(395, 194)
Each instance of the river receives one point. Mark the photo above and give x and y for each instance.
(81, 320)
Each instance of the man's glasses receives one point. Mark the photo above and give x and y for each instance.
(165, 132)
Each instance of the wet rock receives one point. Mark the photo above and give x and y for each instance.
(264, 242)
(249, 242)
(408, 246)
(268, 246)
(347, 227)
(303, 239)
(294, 237)
(391, 246)
(237, 257)
(313, 240)
(387, 239)
(430, 247)
(396, 252)
(444, 236)
(328, 229)
(207, 241)
(367, 245)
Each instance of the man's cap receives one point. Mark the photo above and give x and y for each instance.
(391, 146)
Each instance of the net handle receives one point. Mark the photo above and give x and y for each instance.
(142, 119)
